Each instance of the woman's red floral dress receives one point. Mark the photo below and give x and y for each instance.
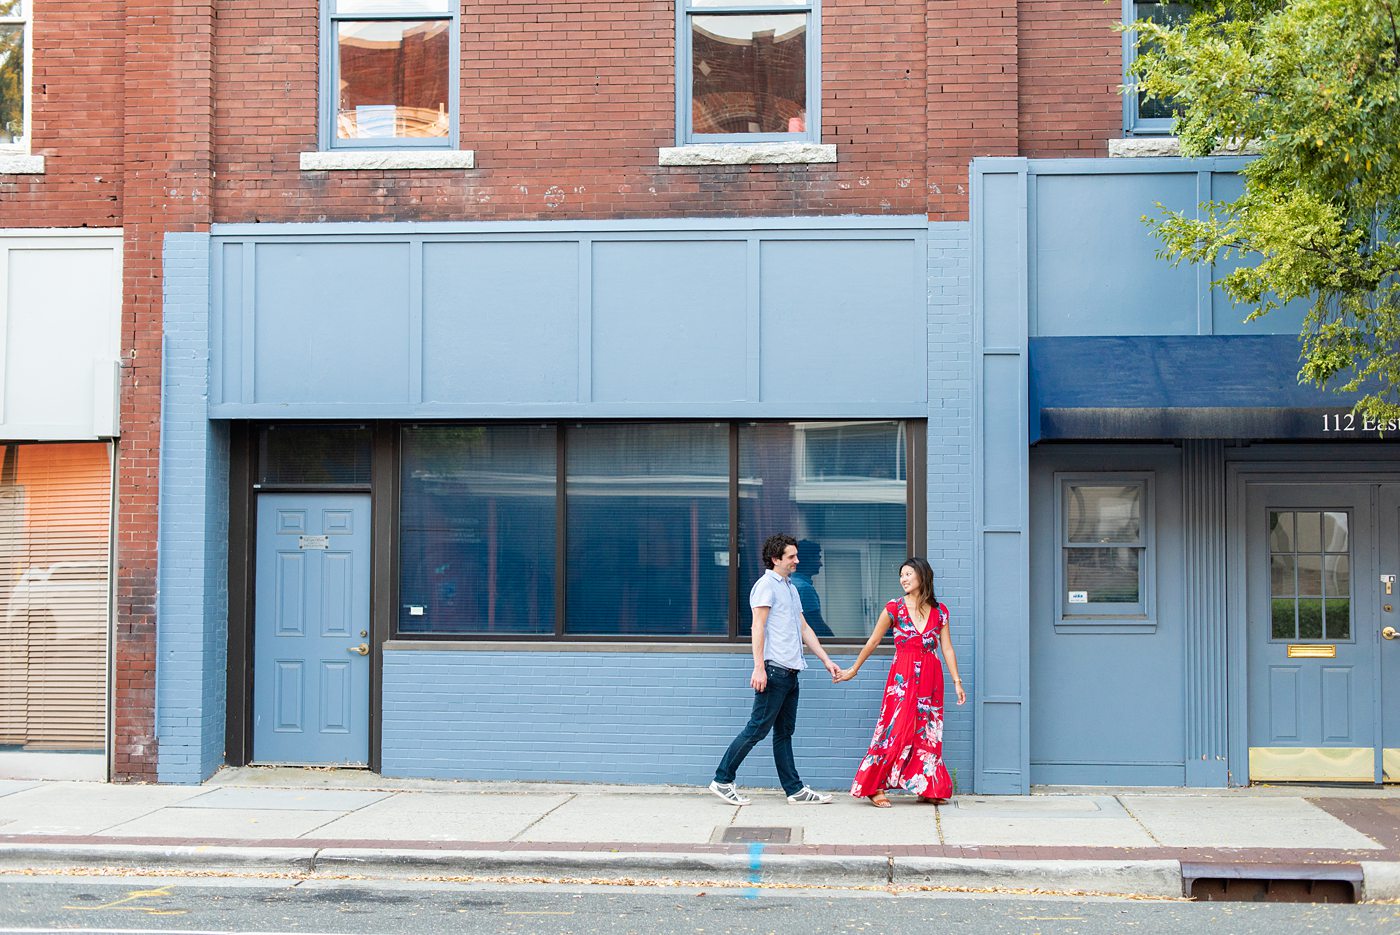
(907, 749)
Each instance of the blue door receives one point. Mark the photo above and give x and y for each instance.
(311, 630)
(1313, 631)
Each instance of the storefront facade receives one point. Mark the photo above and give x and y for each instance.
(525, 469)
(1197, 587)
(60, 295)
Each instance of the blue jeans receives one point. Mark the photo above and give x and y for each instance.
(774, 709)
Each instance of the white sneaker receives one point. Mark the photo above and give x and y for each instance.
(809, 796)
(726, 791)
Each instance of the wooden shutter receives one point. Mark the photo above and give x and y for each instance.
(55, 508)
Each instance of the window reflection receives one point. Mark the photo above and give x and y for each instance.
(648, 529)
(840, 489)
(394, 79)
(477, 530)
(749, 73)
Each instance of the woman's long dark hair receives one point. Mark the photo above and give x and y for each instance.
(925, 572)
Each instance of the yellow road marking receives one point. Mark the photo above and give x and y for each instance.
(119, 905)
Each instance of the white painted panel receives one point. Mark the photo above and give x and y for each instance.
(60, 308)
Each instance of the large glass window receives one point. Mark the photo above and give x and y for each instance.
(1310, 574)
(840, 489)
(748, 69)
(14, 74)
(477, 529)
(1143, 115)
(628, 529)
(1103, 543)
(391, 73)
(648, 529)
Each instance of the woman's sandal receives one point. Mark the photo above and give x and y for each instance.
(879, 801)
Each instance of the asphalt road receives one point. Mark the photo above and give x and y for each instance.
(243, 905)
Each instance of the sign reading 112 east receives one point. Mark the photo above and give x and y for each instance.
(1333, 422)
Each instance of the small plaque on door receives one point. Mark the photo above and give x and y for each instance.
(313, 542)
(1312, 651)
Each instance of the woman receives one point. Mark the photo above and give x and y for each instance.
(907, 749)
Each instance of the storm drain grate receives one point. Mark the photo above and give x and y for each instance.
(1272, 883)
(756, 835)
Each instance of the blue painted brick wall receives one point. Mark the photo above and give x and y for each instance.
(191, 609)
(950, 540)
(662, 717)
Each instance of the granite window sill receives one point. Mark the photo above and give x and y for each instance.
(21, 164)
(352, 160)
(744, 154)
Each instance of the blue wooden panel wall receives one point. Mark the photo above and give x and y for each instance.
(1093, 262)
(804, 318)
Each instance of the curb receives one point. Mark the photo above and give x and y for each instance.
(1163, 878)
(1117, 877)
(23, 856)
(686, 868)
(1380, 879)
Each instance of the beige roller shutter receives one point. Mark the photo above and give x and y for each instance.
(54, 567)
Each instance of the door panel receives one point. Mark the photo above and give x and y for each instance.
(311, 616)
(1388, 650)
(1310, 632)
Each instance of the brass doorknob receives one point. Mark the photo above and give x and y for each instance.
(1389, 633)
(363, 649)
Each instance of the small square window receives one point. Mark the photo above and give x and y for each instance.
(747, 71)
(389, 74)
(15, 28)
(1104, 533)
(1141, 116)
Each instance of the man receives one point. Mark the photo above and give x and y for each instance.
(779, 630)
(809, 561)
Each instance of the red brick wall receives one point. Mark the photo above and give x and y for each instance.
(167, 133)
(1071, 67)
(566, 105)
(76, 120)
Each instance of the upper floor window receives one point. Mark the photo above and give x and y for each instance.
(1142, 115)
(748, 70)
(388, 73)
(14, 73)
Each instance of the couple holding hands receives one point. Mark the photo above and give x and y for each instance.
(906, 751)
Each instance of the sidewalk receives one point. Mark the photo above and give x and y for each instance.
(1145, 842)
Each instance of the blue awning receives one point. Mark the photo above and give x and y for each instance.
(1199, 386)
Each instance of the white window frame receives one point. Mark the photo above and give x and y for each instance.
(330, 71)
(685, 133)
(25, 19)
(1107, 617)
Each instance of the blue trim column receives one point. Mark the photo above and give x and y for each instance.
(948, 483)
(192, 603)
(1203, 508)
(1001, 473)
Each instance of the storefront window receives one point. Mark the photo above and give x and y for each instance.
(55, 508)
(840, 489)
(648, 529)
(648, 537)
(477, 530)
